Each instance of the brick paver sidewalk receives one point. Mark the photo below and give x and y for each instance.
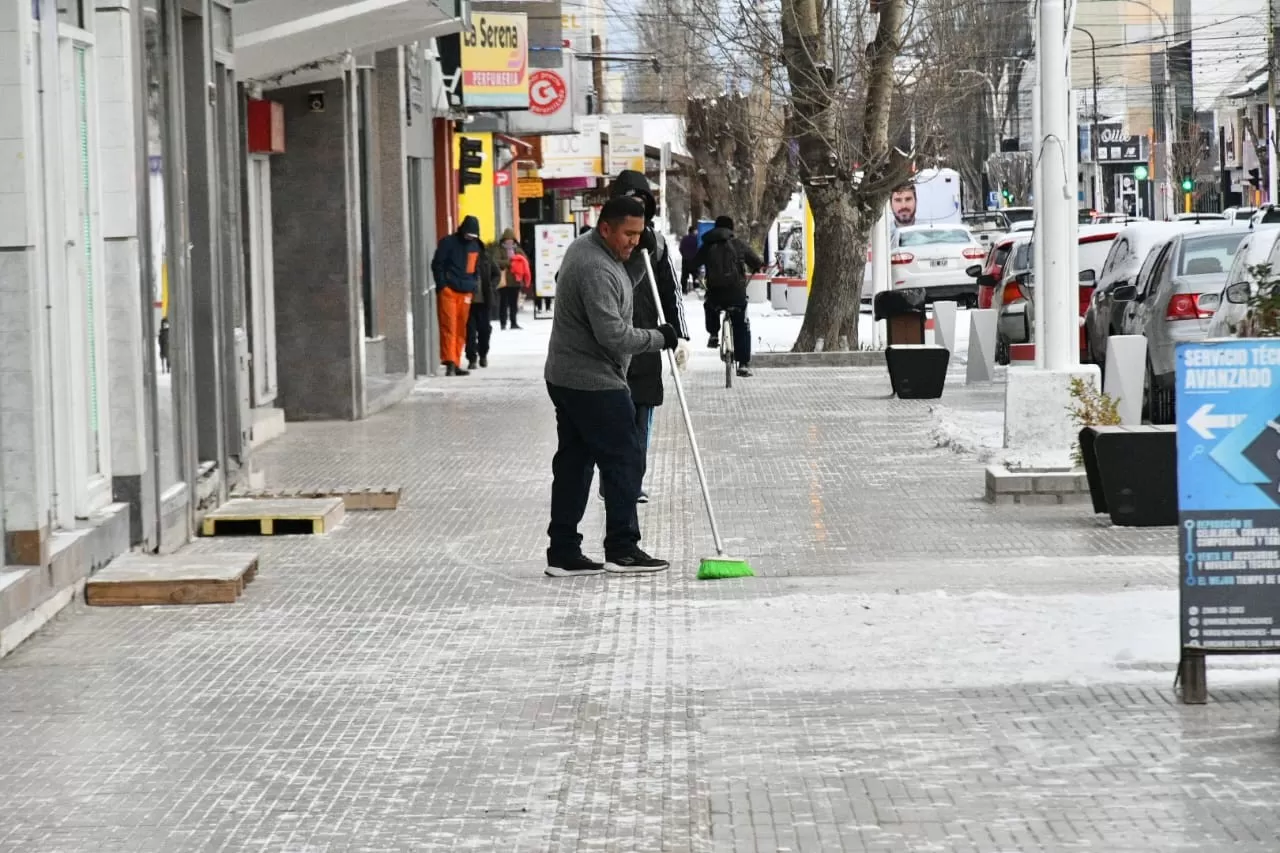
(912, 671)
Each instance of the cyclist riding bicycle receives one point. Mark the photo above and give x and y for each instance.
(727, 260)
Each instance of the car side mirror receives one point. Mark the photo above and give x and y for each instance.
(974, 271)
(1238, 293)
(1125, 293)
(1088, 277)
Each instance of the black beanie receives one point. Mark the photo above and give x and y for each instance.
(724, 222)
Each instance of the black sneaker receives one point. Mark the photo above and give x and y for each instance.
(471, 364)
(643, 499)
(449, 369)
(577, 565)
(484, 361)
(458, 371)
(633, 562)
(713, 342)
(744, 372)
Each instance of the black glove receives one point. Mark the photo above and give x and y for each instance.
(670, 340)
(649, 242)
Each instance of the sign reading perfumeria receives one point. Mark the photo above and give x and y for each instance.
(494, 62)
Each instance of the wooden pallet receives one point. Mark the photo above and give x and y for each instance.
(274, 516)
(137, 579)
(354, 498)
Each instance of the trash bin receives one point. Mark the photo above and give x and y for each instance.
(778, 294)
(904, 311)
(917, 371)
(797, 296)
(758, 288)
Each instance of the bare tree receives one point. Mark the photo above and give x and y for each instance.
(736, 130)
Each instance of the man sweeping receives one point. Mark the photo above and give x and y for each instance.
(592, 343)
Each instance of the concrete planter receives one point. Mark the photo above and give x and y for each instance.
(917, 372)
(1132, 473)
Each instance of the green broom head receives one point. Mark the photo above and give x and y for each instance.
(718, 568)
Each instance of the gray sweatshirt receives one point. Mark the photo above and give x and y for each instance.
(592, 338)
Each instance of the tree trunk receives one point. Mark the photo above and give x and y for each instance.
(840, 252)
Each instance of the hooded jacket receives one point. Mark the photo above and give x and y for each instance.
(459, 263)
(644, 377)
(727, 260)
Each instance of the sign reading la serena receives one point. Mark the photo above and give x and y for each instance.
(495, 62)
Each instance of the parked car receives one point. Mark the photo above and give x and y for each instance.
(987, 227)
(1018, 214)
(988, 273)
(1258, 247)
(1102, 218)
(1173, 302)
(1200, 217)
(1012, 297)
(935, 257)
(1022, 226)
(1239, 216)
(1268, 214)
(1016, 299)
(1125, 261)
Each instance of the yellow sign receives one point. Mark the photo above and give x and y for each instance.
(529, 188)
(477, 200)
(495, 62)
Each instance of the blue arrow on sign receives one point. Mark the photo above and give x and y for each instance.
(1230, 451)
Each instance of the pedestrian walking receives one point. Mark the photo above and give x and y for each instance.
(515, 275)
(727, 260)
(162, 339)
(644, 377)
(688, 251)
(480, 318)
(592, 343)
(455, 267)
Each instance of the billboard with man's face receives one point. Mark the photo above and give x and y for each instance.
(902, 204)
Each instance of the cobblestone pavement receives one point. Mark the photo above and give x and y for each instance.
(411, 681)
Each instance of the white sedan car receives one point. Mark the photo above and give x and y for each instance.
(935, 258)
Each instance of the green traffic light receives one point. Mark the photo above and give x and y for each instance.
(1188, 185)
(1140, 172)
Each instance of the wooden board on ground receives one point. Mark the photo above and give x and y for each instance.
(138, 579)
(354, 498)
(274, 516)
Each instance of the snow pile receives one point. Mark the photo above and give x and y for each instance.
(833, 642)
(980, 433)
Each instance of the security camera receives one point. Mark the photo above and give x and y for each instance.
(315, 101)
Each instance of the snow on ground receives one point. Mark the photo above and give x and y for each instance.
(833, 641)
(980, 433)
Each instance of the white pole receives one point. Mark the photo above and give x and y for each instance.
(1057, 189)
(1273, 168)
(1037, 193)
(1071, 320)
(879, 272)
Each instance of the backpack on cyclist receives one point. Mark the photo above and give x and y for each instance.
(724, 266)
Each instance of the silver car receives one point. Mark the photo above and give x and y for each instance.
(1258, 247)
(1173, 302)
(935, 257)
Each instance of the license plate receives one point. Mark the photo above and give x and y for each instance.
(940, 262)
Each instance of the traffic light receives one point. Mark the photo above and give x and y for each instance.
(1008, 195)
(1188, 185)
(1255, 177)
(1141, 173)
(469, 161)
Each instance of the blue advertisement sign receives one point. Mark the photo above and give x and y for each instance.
(1228, 398)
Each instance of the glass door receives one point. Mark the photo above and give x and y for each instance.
(261, 281)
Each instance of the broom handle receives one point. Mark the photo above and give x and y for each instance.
(684, 409)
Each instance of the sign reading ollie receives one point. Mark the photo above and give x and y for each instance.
(1228, 395)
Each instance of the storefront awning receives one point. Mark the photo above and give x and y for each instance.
(275, 36)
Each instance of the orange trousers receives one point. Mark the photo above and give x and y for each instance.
(453, 309)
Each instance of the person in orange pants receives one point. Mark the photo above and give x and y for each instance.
(456, 268)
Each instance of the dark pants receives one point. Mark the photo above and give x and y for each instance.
(688, 274)
(508, 306)
(737, 309)
(644, 425)
(595, 429)
(544, 303)
(479, 330)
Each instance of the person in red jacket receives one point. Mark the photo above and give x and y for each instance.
(516, 275)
